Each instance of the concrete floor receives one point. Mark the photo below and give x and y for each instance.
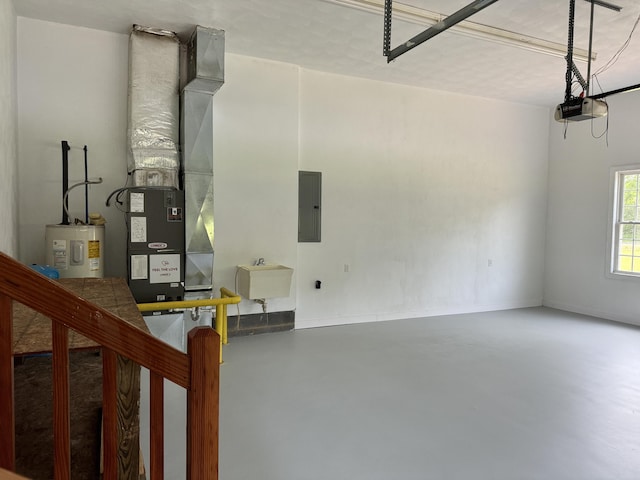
(520, 394)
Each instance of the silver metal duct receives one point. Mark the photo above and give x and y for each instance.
(154, 67)
(205, 63)
(205, 75)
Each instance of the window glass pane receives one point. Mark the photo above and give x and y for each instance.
(636, 265)
(629, 214)
(624, 264)
(630, 198)
(626, 232)
(637, 232)
(626, 248)
(630, 182)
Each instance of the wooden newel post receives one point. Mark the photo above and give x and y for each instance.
(203, 348)
(7, 422)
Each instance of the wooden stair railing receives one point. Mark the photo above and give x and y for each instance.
(197, 371)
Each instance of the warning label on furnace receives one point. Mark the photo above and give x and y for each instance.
(138, 229)
(164, 268)
(139, 265)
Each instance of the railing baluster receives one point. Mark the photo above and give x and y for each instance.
(7, 422)
(197, 371)
(128, 440)
(61, 426)
(109, 414)
(156, 401)
(203, 404)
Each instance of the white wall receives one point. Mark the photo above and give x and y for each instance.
(576, 252)
(421, 189)
(8, 118)
(72, 86)
(255, 164)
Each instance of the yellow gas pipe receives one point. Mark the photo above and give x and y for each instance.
(227, 297)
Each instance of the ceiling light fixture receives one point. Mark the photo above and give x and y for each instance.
(423, 17)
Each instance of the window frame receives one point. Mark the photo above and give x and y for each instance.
(616, 203)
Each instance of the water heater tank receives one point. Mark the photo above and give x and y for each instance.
(76, 251)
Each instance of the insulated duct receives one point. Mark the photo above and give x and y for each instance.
(154, 67)
(205, 75)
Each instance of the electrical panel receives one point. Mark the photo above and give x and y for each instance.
(309, 206)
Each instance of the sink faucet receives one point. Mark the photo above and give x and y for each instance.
(260, 261)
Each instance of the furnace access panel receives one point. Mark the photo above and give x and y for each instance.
(155, 247)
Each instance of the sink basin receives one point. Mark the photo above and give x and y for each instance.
(264, 281)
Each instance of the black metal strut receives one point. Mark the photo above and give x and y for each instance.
(386, 39)
(569, 74)
(441, 26)
(86, 188)
(65, 181)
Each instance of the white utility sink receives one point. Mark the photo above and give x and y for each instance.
(264, 281)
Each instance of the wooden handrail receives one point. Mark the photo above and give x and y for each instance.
(5, 475)
(197, 371)
(58, 303)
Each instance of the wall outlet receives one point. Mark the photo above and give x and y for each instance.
(346, 268)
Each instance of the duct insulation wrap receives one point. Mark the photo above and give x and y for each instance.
(154, 71)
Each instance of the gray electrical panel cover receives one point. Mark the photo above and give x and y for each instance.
(309, 206)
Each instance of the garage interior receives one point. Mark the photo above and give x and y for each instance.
(477, 329)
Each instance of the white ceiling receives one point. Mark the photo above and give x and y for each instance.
(320, 35)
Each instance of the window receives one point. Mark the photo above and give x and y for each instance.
(626, 223)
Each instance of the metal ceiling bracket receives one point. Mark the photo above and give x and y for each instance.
(441, 26)
(608, 5)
